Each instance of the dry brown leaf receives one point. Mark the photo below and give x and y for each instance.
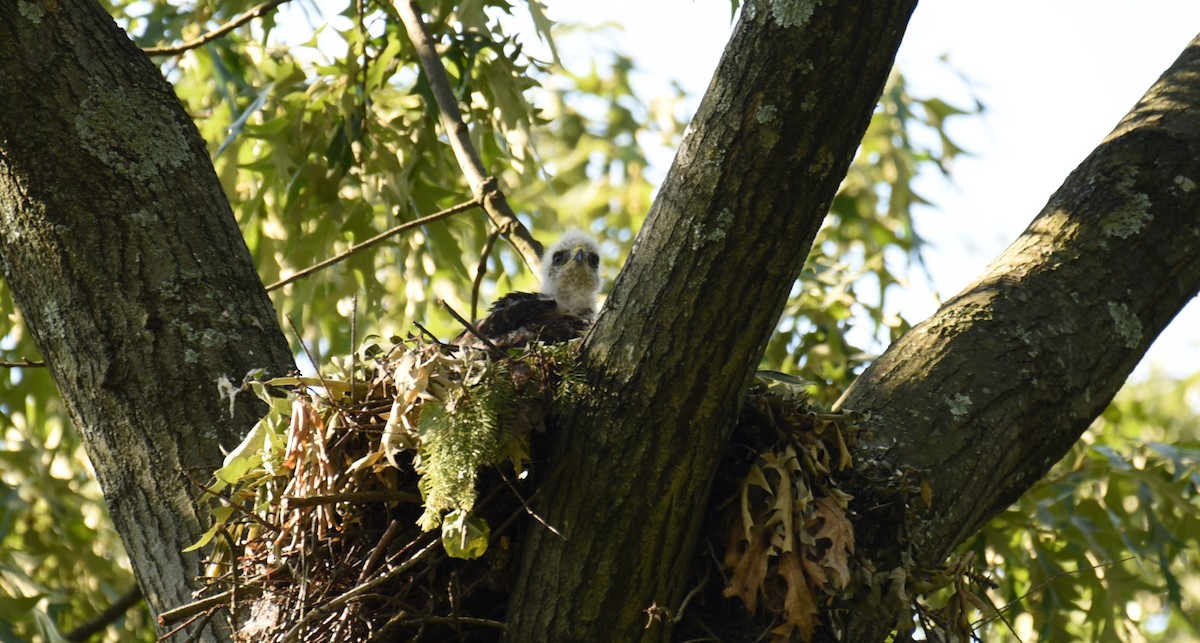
(800, 607)
(399, 434)
(844, 460)
(754, 478)
(784, 499)
(366, 462)
(837, 528)
(749, 560)
(814, 568)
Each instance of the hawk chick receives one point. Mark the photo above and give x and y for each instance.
(563, 309)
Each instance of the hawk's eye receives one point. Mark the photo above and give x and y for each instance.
(593, 260)
(560, 257)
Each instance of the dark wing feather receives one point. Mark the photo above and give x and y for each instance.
(551, 330)
(520, 318)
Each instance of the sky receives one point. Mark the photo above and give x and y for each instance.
(1055, 76)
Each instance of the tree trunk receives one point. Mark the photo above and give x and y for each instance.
(986, 395)
(125, 259)
(672, 354)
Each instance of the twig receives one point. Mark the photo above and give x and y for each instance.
(360, 9)
(466, 620)
(690, 595)
(353, 341)
(461, 207)
(194, 609)
(378, 551)
(233, 503)
(988, 619)
(527, 509)
(481, 271)
(25, 363)
(924, 619)
(203, 617)
(329, 607)
(471, 328)
(297, 502)
(428, 334)
(99, 622)
(233, 573)
(997, 615)
(255, 12)
(387, 632)
(485, 187)
(312, 360)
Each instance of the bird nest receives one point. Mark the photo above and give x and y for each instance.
(384, 500)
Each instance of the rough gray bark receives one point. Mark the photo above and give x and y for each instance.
(993, 389)
(689, 316)
(130, 271)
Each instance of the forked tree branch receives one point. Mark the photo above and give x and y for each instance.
(486, 188)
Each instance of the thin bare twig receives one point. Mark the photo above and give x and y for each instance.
(353, 341)
(408, 225)
(297, 502)
(988, 619)
(209, 603)
(330, 606)
(312, 360)
(256, 11)
(454, 620)
(25, 363)
(471, 328)
(427, 333)
(242, 509)
(378, 551)
(997, 614)
(481, 271)
(690, 595)
(486, 188)
(529, 510)
(233, 573)
(99, 622)
(193, 610)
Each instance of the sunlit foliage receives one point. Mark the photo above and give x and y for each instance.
(1105, 547)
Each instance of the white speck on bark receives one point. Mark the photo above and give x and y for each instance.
(959, 404)
(791, 13)
(1128, 326)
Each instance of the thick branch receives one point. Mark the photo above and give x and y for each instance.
(992, 390)
(670, 357)
(486, 188)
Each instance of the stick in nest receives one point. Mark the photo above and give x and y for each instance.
(364, 588)
(472, 329)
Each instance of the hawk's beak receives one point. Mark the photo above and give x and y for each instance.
(579, 256)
